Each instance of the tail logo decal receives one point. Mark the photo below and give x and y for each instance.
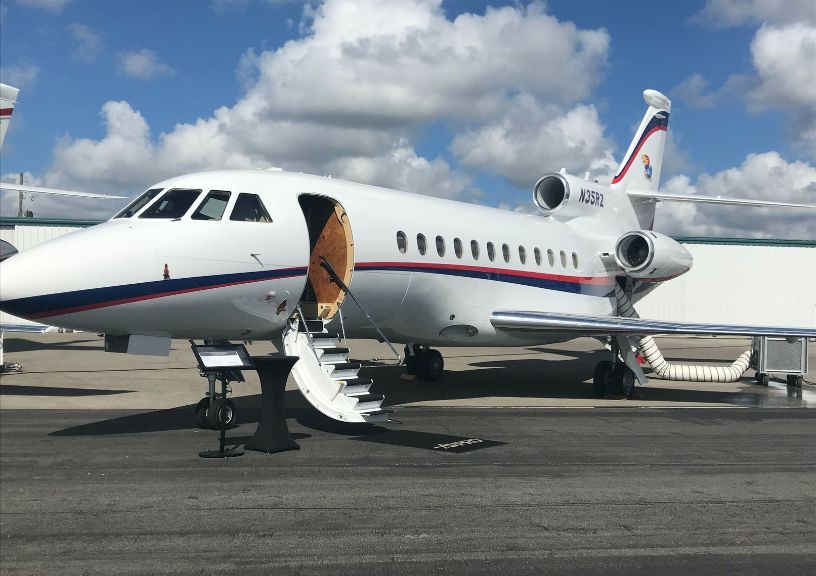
(647, 166)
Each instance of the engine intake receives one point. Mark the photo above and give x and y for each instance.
(649, 255)
(551, 192)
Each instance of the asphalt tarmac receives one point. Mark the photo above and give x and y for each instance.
(514, 478)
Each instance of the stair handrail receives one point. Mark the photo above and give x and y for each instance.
(336, 278)
(302, 318)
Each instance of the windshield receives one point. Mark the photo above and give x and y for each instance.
(174, 204)
(139, 203)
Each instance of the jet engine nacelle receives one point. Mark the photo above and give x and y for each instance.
(567, 196)
(648, 255)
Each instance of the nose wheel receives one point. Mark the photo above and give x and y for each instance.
(215, 408)
(423, 362)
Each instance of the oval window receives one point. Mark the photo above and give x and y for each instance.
(506, 252)
(522, 255)
(422, 245)
(491, 251)
(537, 254)
(402, 242)
(457, 247)
(474, 249)
(551, 258)
(575, 260)
(440, 245)
(563, 259)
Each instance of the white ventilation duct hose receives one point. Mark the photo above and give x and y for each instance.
(680, 372)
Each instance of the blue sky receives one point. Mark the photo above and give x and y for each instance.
(90, 69)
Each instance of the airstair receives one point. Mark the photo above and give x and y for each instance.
(327, 378)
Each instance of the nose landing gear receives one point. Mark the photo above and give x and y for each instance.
(215, 408)
(424, 362)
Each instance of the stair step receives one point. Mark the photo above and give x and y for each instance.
(380, 412)
(320, 341)
(341, 370)
(368, 402)
(313, 326)
(356, 386)
(333, 352)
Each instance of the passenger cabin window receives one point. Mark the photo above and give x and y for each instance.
(249, 208)
(575, 260)
(421, 244)
(440, 245)
(474, 249)
(457, 247)
(506, 252)
(139, 203)
(563, 259)
(173, 205)
(551, 258)
(537, 254)
(402, 242)
(491, 251)
(522, 254)
(213, 206)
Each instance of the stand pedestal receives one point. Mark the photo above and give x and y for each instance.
(272, 434)
(217, 414)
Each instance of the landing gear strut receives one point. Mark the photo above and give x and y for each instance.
(424, 362)
(215, 407)
(613, 376)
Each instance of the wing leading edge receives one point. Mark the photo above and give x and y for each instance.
(55, 191)
(595, 325)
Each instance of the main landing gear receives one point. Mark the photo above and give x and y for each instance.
(215, 407)
(424, 362)
(616, 378)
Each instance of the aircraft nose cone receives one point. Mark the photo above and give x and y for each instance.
(17, 280)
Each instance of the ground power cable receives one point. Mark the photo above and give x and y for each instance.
(680, 372)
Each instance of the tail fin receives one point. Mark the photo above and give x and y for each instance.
(8, 97)
(643, 161)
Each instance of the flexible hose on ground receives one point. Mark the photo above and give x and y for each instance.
(680, 372)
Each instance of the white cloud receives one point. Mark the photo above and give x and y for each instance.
(694, 92)
(19, 76)
(52, 5)
(348, 98)
(530, 139)
(89, 42)
(144, 65)
(764, 176)
(739, 12)
(784, 58)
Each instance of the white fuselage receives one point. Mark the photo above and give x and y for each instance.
(242, 280)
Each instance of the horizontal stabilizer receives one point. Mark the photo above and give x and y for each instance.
(54, 191)
(656, 196)
(605, 325)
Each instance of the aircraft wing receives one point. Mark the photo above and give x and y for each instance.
(54, 191)
(699, 199)
(605, 325)
(31, 327)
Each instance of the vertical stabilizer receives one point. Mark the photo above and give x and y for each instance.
(8, 97)
(642, 164)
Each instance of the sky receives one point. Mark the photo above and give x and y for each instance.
(461, 99)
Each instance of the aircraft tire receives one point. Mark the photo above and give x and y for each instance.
(601, 377)
(219, 411)
(627, 381)
(430, 364)
(201, 412)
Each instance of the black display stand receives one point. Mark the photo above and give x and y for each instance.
(272, 434)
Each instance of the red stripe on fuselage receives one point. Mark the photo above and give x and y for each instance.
(600, 280)
(620, 176)
(6, 111)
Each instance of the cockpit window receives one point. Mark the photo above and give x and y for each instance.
(139, 203)
(213, 206)
(174, 204)
(249, 208)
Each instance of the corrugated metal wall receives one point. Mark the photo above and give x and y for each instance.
(737, 284)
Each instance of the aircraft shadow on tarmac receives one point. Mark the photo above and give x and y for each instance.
(15, 390)
(565, 377)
